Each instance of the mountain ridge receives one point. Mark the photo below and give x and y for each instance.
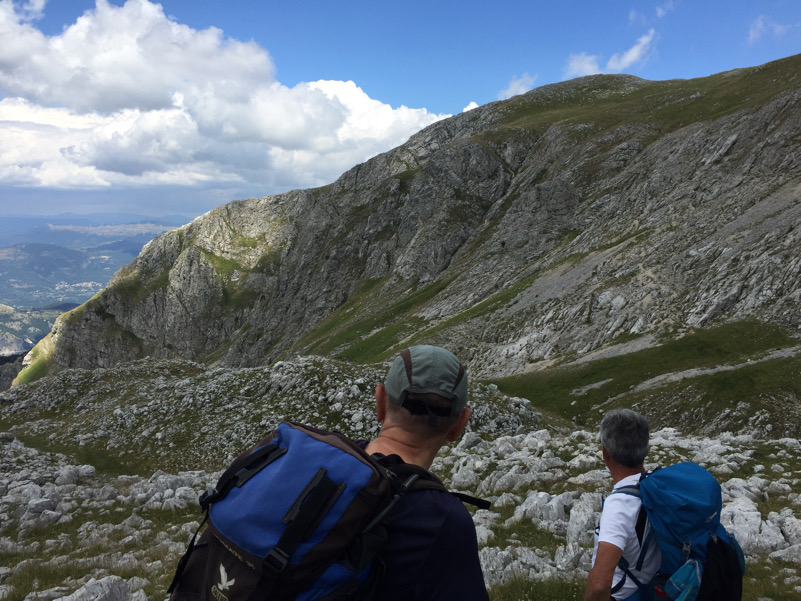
(529, 231)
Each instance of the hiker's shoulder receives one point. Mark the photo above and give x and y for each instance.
(623, 499)
(438, 511)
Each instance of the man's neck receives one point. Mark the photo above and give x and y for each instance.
(394, 441)
(619, 472)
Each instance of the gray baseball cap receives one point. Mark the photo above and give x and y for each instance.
(427, 369)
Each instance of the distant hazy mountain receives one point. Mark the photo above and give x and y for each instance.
(82, 231)
(51, 264)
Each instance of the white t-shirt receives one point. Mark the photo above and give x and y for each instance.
(618, 527)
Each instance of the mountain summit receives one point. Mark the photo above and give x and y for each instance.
(601, 214)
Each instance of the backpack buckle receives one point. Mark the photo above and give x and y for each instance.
(276, 560)
(207, 498)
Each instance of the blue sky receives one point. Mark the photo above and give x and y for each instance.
(181, 106)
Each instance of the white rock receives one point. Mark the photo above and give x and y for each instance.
(755, 535)
(110, 588)
(41, 505)
(67, 475)
(567, 557)
(790, 554)
(583, 518)
(583, 462)
(791, 529)
(484, 535)
(465, 478)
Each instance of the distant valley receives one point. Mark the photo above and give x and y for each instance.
(51, 264)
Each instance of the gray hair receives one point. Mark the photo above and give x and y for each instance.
(624, 434)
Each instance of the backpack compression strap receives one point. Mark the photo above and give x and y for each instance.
(303, 518)
(240, 471)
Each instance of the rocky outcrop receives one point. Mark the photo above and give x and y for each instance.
(9, 368)
(544, 227)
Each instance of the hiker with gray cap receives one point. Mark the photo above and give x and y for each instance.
(431, 551)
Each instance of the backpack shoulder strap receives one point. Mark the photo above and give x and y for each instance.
(639, 527)
(633, 490)
(425, 479)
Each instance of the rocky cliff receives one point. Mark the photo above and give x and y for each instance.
(597, 212)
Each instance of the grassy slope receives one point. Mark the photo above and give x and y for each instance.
(579, 392)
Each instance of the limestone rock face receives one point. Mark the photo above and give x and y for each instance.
(516, 233)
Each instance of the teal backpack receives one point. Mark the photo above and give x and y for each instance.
(701, 561)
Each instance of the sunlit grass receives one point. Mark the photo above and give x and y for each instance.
(523, 589)
(738, 343)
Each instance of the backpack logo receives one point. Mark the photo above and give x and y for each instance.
(224, 585)
(711, 517)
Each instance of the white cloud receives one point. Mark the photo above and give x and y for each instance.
(636, 18)
(757, 29)
(579, 65)
(632, 56)
(127, 96)
(32, 10)
(762, 26)
(132, 56)
(470, 107)
(663, 9)
(518, 85)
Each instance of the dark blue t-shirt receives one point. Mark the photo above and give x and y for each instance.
(431, 552)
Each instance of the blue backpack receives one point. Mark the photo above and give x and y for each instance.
(298, 517)
(701, 561)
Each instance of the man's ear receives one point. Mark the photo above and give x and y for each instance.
(380, 403)
(456, 431)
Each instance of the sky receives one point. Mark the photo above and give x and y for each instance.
(180, 106)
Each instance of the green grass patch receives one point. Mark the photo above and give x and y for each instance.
(39, 568)
(353, 322)
(376, 345)
(550, 390)
(523, 589)
(607, 102)
(248, 242)
(523, 534)
(767, 387)
(109, 464)
(41, 361)
(38, 369)
(764, 580)
(336, 320)
(224, 267)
